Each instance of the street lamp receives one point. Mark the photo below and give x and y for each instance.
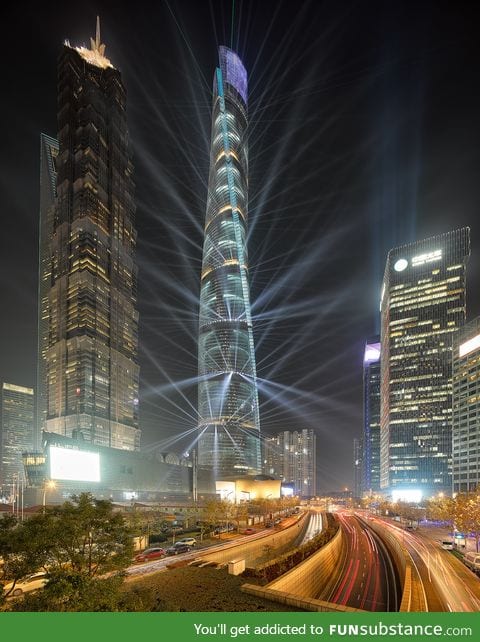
(50, 484)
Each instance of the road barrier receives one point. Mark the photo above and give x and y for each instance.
(253, 549)
(296, 587)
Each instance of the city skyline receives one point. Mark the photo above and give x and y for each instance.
(297, 348)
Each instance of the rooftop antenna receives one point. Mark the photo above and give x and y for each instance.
(96, 45)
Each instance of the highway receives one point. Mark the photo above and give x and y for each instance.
(315, 526)
(447, 584)
(367, 579)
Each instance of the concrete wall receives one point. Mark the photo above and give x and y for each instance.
(304, 603)
(254, 549)
(296, 587)
(309, 577)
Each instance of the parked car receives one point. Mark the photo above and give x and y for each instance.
(472, 560)
(447, 544)
(150, 554)
(31, 583)
(189, 541)
(249, 531)
(177, 549)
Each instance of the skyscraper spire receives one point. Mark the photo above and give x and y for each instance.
(97, 39)
(96, 44)
(96, 54)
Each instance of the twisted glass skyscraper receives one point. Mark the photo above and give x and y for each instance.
(229, 426)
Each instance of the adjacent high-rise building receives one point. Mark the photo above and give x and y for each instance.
(357, 467)
(466, 408)
(423, 306)
(291, 456)
(229, 425)
(371, 417)
(48, 193)
(16, 432)
(92, 372)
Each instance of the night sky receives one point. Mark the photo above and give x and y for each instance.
(364, 134)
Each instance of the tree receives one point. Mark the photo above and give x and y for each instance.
(18, 553)
(240, 514)
(84, 534)
(70, 591)
(441, 508)
(213, 512)
(467, 515)
(75, 543)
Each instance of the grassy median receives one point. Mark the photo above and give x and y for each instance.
(189, 588)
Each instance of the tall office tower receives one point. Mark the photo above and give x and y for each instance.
(466, 408)
(292, 456)
(423, 305)
(91, 359)
(48, 193)
(371, 417)
(16, 432)
(357, 467)
(229, 424)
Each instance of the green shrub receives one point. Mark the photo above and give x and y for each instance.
(269, 571)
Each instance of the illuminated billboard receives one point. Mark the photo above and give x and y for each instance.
(74, 465)
(409, 495)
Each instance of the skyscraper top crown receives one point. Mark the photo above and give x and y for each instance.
(96, 54)
(233, 71)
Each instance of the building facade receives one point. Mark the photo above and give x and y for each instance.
(371, 417)
(74, 465)
(229, 424)
(423, 306)
(466, 408)
(92, 372)
(291, 456)
(16, 432)
(48, 193)
(357, 467)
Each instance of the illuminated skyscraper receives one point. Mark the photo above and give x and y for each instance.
(423, 306)
(371, 417)
(16, 432)
(466, 408)
(48, 192)
(229, 426)
(91, 359)
(292, 457)
(357, 467)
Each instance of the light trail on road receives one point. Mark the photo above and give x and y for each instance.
(446, 583)
(367, 579)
